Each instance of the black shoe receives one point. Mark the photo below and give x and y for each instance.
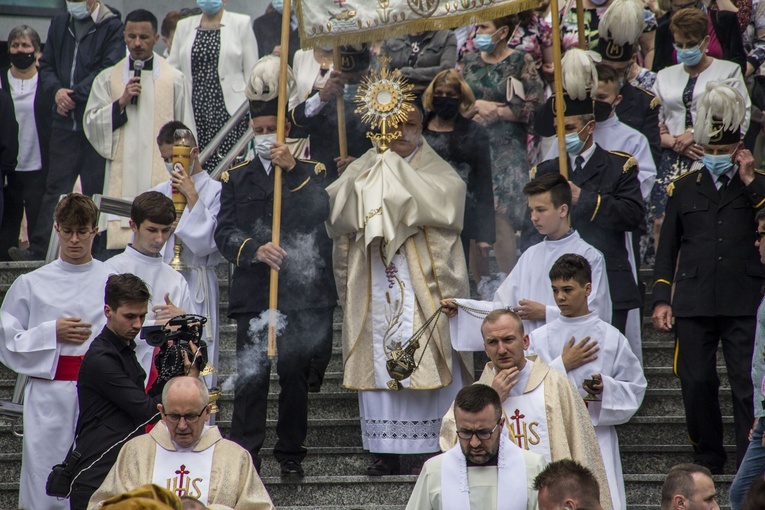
(314, 387)
(384, 464)
(292, 469)
(20, 255)
(715, 470)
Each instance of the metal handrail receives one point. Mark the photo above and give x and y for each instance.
(237, 149)
(221, 135)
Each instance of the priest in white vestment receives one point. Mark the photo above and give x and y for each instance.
(151, 220)
(544, 412)
(187, 457)
(526, 290)
(486, 471)
(195, 229)
(125, 111)
(396, 218)
(48, 319)
(616, 373)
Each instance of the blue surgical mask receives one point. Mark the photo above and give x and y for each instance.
(574, 144)
(210, 7)
(278, 5)
(689, 56)
(263, 145)
(718, 164)
(484, 42)
(78, 10)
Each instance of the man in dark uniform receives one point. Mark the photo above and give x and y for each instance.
(606, 201)
(268, 30)
(243, 236)
(316, 117)
(706, 250)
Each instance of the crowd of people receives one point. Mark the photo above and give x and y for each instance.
(470, 232)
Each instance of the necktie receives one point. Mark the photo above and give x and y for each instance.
(723, 180)
(578, 164)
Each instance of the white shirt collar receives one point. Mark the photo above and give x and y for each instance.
(585, 154)
(95, 12)
(266, 165)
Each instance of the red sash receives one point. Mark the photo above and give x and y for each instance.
(68, 368)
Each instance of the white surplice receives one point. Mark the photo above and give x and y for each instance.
(28, 346)
(530, 279)
(200, 254)
(624, 384)
(160, 279)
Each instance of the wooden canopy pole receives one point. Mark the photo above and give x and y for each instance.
(558, 103)
(580, 25)
(281, 121)
(341, 136)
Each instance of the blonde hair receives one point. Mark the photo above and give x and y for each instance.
(453, 80)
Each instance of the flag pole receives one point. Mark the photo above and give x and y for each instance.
(341, 136)
(281, 122)
(580, 24)
(558, 103)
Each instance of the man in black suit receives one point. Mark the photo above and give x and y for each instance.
(268, 30)
(606, 202)
(706, 254)
(316, 117)
(306, 295)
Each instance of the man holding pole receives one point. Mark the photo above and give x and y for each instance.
(243, 236)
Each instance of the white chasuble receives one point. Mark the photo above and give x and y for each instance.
(511, 480)
(526, 421)
(184, 473)
(392, 309)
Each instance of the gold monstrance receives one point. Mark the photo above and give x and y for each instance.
(384, 102)
(181, 163)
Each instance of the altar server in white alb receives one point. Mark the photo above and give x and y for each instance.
(526, 290)
(195, 229)
(486, 470)
(151, 220)
(47, 321)
(128, 104)
(605, 368)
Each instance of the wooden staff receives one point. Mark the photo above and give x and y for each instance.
(580, 24)
(341, 136)
(558, 103)
(281, 121)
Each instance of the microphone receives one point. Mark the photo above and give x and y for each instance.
(137, 67)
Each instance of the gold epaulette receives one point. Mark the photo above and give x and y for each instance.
(631, 161)
(533, 173)
(671, 185)
(761, 172)
(655, 101)
(318, 167)
(224, 176)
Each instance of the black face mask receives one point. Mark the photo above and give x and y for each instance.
(22, 60)
(446, 107)
(603, 110)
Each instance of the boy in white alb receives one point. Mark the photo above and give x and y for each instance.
(195, 229)
(601, 364)
(526, 290)
(47, 321)
(151, 220)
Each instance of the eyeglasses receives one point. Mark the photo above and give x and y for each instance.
(190, 418)
(82, 234)
(483, 435)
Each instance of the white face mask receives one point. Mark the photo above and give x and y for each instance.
(263, 145)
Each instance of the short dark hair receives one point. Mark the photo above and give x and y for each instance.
(495, 315)
(125, 288)
(142, 16)
(680, 481)
(755, 496)
(169, 23)
(759, 216)
(556, 184)
(475, 397)
(511, 21)
(571, 267)
(76, 210)
(607, 74)
(568, 479)
(690, 22)
(26, 31)
(166, 132)
(152, 206)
